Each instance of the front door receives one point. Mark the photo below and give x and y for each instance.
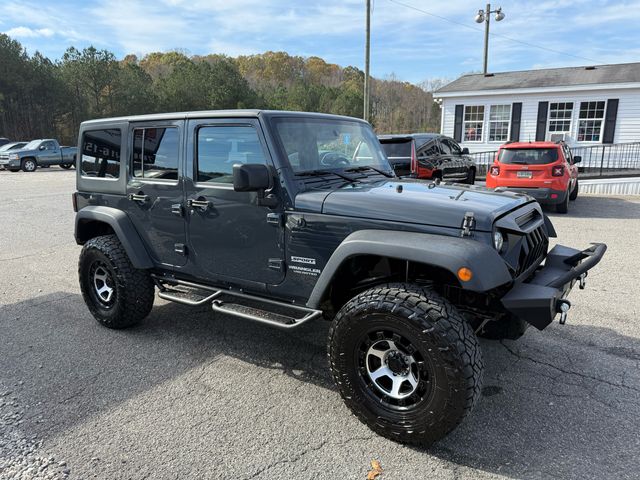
(50, 153)
(230, 235)
(155, 189)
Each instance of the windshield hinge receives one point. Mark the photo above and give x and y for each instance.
(467, 224)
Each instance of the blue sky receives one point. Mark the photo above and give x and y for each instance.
(407, 43)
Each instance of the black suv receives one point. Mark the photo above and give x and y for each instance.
(430, 156)
(285, 218)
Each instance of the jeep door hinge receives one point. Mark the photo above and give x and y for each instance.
(467, 224)
(276, 264)
(180, 248)
(274, 219)
(177, 209)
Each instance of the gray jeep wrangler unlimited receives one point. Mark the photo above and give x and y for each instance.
(284, 218)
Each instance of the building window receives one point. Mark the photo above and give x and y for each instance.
(560, 117)
(499, 120)
(590, 122)
(473, 123)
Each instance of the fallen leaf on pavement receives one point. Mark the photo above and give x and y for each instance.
(376, 470)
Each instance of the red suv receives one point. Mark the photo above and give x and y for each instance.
(546, 171)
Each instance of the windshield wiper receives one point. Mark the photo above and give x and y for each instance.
(319, 173)
(362, 168)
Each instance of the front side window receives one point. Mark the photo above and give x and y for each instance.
(155, 153)
(560, 117)
(101, 153)
(48, 145)
(590, 121)
(325, 144)
(452, 146)
(473, 123)
(499, 120)
(221, 147)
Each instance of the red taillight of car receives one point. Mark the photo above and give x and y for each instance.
(557, 171)
(74, 201)
(414, 160)
(495, 170)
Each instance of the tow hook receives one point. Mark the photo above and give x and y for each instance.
(563, 306)
(582, 280)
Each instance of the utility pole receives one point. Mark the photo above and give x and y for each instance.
(485, 16)
(367, 53)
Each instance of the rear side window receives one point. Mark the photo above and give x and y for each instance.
(528, 156)
(220, 148)
(395, 149)
(101, 153)
(155, 153)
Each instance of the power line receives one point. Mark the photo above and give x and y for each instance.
(406, 5)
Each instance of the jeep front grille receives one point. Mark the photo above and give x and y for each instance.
(534, 246)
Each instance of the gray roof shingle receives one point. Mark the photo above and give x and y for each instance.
(548, 77)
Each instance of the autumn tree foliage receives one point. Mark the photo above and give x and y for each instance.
(44, 98)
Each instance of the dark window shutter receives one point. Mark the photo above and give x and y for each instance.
(516, 114)
(610, 120)
(541, 125)
(457, 125)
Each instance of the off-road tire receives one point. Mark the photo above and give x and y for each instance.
(28, 165)
(440, 336)
(133, 289)
(563, 207)
(574, 192)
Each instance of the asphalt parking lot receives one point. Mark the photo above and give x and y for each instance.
(192, 394)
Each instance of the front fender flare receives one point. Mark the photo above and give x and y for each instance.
(123, 228)
(451, 253)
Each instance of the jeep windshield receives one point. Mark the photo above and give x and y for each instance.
(314, 146)
(528, 156)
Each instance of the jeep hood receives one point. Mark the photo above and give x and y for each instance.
(410, 201)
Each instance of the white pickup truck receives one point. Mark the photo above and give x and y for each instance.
(43, 152)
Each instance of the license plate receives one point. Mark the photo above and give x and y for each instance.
(524, 174)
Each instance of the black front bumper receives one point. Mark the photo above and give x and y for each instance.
(538, 300)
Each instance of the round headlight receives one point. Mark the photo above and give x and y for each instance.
(498, 240)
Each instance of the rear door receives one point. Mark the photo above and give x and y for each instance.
(155, 189)
(230, 235)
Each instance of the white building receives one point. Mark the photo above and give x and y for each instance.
(586, 106)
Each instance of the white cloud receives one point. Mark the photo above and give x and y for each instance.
(26, 32)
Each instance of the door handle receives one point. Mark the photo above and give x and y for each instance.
(139, 197)
(203, 205)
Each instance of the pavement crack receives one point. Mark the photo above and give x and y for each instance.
(519, 355)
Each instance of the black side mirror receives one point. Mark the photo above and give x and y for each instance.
(251, 177)
(255, 177)
(577, 159)
(465, 151)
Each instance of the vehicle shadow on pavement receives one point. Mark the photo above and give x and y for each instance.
(565, 404)
(593, 206)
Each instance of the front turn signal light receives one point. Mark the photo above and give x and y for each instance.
(465, 274)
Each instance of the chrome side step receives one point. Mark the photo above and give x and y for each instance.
(236, 309)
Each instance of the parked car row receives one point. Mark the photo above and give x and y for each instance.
(28, 156)
(547, 171)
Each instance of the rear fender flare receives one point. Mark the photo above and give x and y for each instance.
(122, 227)
(450, 253)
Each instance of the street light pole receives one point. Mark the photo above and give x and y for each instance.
(487, 22)
(367, 53)
(485, 16)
